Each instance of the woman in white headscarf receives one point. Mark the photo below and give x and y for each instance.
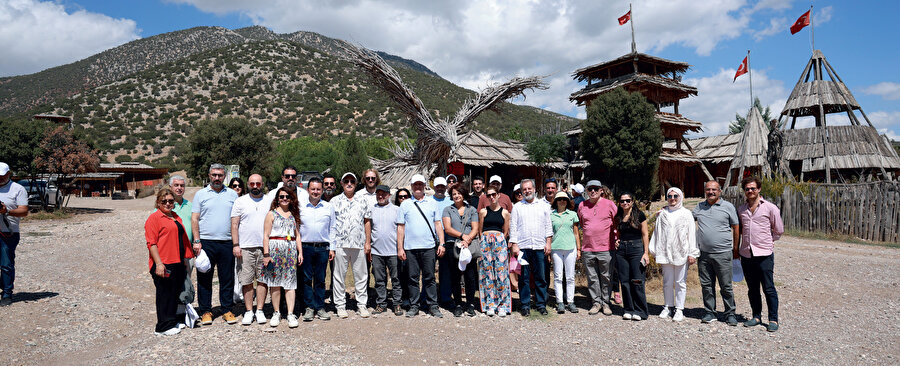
(674, 245)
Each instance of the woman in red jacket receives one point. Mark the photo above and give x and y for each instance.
(169, 246)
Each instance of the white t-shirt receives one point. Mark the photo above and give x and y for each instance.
(252, 212)
(302, 194)
(12, 195)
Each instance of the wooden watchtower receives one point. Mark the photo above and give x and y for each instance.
(659, 80)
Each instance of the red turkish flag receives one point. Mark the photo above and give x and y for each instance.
(801, 22)
(625, 18)
(743, 69)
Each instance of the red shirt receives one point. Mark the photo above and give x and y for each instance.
(160, 230)
(597, 224)
(503, 200)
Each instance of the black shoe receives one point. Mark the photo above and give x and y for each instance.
(708, 318)
(752, 322)
(773, 326)
(560, 308)
(413, 311)
(436, 312)
(458, 312)
(543, 311)
(732, 320)
(572, 308)
(526, 312)
(6, 301)
(471, 311)
(398, 310)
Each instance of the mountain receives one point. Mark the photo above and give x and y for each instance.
(141, 99)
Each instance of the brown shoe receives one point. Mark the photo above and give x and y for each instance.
(229, 318)
(606, 310)
(206, 318)
(595, 309)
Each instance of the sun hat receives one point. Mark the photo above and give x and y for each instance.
(560, 195)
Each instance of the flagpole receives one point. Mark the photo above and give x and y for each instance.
(633, 46)
(750, 72)
(812, 28)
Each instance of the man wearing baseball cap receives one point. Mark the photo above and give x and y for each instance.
(381, 249)
(577, 195)
(13, 206)
(419, 231)
(596, 217)
(445, 291)
(503, 199)
(349, 239)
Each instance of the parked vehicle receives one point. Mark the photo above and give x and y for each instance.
(38, 188)
(307, 175)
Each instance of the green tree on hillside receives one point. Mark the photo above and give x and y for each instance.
(63, 153)
(353, 158)
(622, 141)
(21, 143)
(229, 141)
(546, 148)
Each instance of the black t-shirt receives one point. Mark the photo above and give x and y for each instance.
(626, 231)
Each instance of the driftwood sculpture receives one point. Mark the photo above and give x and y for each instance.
(437, 140)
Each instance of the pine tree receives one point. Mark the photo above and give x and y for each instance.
(737, 125)
(621, 140)
(353, 159)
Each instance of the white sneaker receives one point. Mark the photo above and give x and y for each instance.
(276, 319)
(292, 321)
(636, 317)
(260, 317)
(171, 331)
(490, 312)
(678, 316)
(181, 326)
(626, 316)
(364, 312)
(501, 313)
(342, 313)
(665, 313)
(248, 318)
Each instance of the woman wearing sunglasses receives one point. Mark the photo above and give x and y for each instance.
(169, 247)
(282, 252)
(566, 249)
(237, 184)
(633, 255)
(674, 245)
(493, 273)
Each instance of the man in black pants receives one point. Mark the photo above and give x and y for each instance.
(419, 230)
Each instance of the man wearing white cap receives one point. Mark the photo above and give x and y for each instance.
(503, 199)
(577, 197)
(445, 290)
(13, 206)
(419, 231)
(348, 232)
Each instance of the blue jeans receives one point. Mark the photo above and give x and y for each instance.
(315, 261)
(760, 273)
(8, 262)
(537, 265)
(220, 254)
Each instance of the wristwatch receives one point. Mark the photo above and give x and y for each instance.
(196, 241)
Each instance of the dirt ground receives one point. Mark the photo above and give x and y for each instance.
(83, 296)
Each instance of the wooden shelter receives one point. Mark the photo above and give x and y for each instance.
(658, 80)
(750, 154)
(815, 153)
(126, 177)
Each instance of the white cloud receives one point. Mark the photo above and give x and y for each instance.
(719, 99)
(776, 25)
(887, 90)
(473, 43)
(35, 35)
(887, 123)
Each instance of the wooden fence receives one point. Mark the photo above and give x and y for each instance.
(869, 211)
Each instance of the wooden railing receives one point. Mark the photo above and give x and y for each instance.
(869, 211)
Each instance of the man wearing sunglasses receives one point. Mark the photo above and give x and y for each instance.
(596, 216)
(248, 217)
(760, 227)
(531, 231)
(370, 181)
(211, 223)
(347, 247)
(289, 180)
(419, 232)
(329, 187)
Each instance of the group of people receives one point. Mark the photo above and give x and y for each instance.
(284, 240)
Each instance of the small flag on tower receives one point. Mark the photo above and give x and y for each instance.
(743, 69)
(801, 22)
(625, 18)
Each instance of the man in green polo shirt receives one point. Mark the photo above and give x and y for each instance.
(182, 205)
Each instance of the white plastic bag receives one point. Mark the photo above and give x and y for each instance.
(737, 272)
(465, 256)
(202, 262)
(521, 259)
(190, 315)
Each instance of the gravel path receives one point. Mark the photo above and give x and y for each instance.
(83, 296)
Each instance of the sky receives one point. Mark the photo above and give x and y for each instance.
(477, 43)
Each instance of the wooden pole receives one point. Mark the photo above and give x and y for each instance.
(812, 28)
(750, 75)
(633, 45)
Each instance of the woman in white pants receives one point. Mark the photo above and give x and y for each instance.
(674, 245)
(566, 249)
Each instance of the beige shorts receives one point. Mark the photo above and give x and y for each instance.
(251, 265)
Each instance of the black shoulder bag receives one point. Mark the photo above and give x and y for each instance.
(429, 223)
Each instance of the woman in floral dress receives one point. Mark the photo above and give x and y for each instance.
(282, 253)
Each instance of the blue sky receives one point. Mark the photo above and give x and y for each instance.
(476, 43)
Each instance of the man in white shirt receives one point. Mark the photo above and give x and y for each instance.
(348, 232)
(531, 232)
(370, 181)
(381, 249)
(248, 217)
(13, 207)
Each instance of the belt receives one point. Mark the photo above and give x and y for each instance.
(278, 238)
(316, 244)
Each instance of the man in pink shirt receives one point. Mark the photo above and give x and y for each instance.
(761, 226)
(596, 217)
